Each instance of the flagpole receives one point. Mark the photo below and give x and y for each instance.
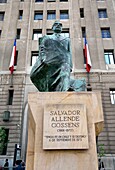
(11, 82)
(88, 78)
(89, 88)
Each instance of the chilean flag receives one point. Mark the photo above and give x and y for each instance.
(13, 58)
(87, 57)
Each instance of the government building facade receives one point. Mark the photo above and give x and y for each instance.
(28, 21)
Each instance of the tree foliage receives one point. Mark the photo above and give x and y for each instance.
(3, 142)
(101, 150)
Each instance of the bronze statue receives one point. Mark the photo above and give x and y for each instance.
(51, 71)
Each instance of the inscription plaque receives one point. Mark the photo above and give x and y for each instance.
(65, 127)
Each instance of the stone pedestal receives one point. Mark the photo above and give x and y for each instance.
(62, 130)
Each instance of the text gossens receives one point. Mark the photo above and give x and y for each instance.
(65, 119)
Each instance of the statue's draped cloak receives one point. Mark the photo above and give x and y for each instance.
(51, 71)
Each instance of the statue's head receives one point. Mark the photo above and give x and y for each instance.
(57, 27)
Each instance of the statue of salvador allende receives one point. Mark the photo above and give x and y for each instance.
(52, 69)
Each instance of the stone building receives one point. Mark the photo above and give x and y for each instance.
(27, 21)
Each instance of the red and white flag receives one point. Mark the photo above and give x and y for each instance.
(13, 58)
(87, 57)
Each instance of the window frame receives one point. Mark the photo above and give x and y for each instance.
(51, 14)
(37, 33)
(10, 96)
(49, 31)
(3, 1)
(51, 0)
(112, 95)
(34, 54)
(102, 13)
(38, 15)
(63, 0)
(20, 14)
(81, 12)
(18, 33)
(109, 57)
(2, 14)
(105, 32)
(0, 33)
(65, 33)
(64, 14)
(37, 1)
(83, 29)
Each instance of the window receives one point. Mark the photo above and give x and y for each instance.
(3, 1)
(34, 57)
(109, 56)
(37, 34)
(65, 33)
(63, 0)
(49, 32)
(20, 14)
(102, 13)
(51, 0)
(82, 12)
(51, 15)
(4, 140)
(64, 14)
(38, 0)
(38, 15)
(10, 97)
(105, 32)
(18, 33)
(112, 95)
(2, 16)
(0, 33)
(83, 32)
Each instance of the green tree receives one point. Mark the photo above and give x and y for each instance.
(3, 142)
(101, 150)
